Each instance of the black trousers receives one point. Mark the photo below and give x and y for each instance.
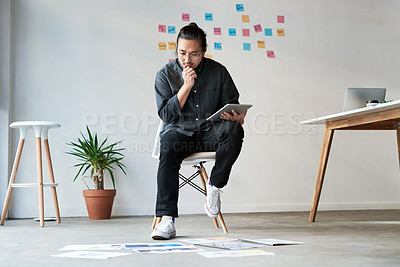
(224, 137)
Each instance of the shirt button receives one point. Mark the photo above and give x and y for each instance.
(195, 91)
(197, 106)
(197, 119)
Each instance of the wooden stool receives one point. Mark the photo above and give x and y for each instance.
(41, 132)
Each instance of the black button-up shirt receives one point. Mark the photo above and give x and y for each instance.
(213, 88)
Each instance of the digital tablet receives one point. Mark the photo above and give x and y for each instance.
(239, 108)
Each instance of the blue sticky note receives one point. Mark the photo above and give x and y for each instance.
(171, 29)
(268, 32)
(239, 7)
(217, 46)
(232, 32)
(209, 16)
(246, 46)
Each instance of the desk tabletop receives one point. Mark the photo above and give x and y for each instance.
(355, 112)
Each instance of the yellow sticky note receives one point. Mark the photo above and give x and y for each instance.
(209, 56)
(245, 18)
(162, 46)
(172, 45)
(261, 44)
(281, 32)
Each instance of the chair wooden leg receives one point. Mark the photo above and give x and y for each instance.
(221, 220)
(12, 180)
(204, 180)
(40, 179)
(323, 161)
(52, 180)
(156, 220)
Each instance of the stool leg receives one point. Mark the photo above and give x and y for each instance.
(12, 180)
(40, 179)
(52, 180)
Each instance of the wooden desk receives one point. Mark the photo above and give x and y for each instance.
(381, 117)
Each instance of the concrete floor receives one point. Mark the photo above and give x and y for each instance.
(337, 238)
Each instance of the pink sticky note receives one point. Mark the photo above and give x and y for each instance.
(162, 28)
(217, 31)
(270, 54)
(185, 17)
(246, 32)
(281, 19)
(258, 28)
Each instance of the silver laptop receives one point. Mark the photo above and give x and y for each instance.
(357, 97)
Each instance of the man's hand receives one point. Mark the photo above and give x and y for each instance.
(239, 118)
(188, 75)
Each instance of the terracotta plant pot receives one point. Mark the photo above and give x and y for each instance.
(99, 203)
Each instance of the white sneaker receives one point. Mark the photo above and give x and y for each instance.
(213, 201)
(164, 230)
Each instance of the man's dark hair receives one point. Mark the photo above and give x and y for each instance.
(193, 32)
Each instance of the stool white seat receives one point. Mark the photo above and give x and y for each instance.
(41, 129)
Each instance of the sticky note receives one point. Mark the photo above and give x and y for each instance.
(281, 32)
(209, 16)
(270, 54)
(232, 32)
(239, 7)
(217, 46)
(185, 17)
(258, 28)
(261, 44)
(246, 32)
(209, 56)
(172, 45)
(162, 46)
(268, 32)
(171, 30)
(281, 19)
(162, 28)
(246, 46)
(217, 31)
(245, 18)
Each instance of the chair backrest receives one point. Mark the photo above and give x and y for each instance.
(156, 147)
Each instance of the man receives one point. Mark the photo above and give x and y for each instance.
(188, 90)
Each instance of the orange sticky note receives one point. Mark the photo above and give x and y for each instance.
(281, 32)
(261, 44)
(245, 18)
(172, 45)
(162, 46)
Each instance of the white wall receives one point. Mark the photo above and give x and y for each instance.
(78, 62)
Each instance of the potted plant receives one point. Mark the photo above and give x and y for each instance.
(99, 158)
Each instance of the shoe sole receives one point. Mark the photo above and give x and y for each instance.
(161, 236)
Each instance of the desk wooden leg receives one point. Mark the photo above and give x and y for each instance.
(12, 180)
(40, 179)
(323, 161)
(398, 139)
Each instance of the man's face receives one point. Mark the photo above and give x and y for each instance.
(189, 53)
